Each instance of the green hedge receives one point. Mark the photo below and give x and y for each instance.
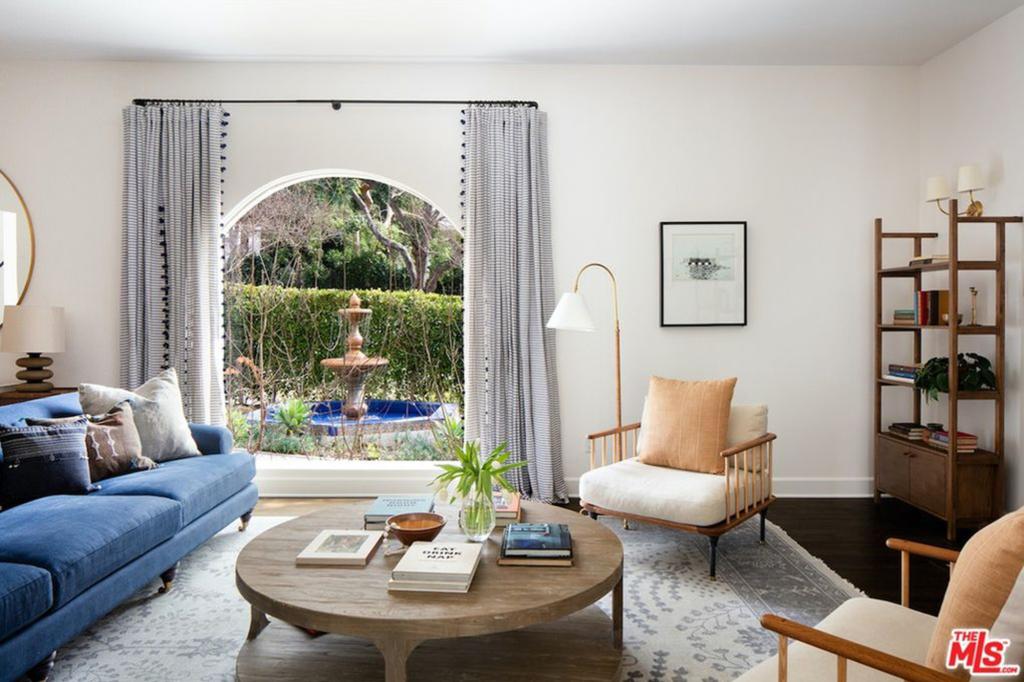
(288, 331)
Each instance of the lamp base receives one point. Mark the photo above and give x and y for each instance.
(35, 376)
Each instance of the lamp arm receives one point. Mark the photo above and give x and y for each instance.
(615, 286)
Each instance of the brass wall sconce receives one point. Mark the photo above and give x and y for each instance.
(968, 179)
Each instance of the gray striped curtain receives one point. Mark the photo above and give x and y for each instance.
(511, 389)
(171, 281)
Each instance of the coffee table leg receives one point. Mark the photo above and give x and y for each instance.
(396, 653)
(617, 614)
(257, 621)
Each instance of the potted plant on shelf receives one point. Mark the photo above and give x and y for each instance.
(472, 478)
(974, 372)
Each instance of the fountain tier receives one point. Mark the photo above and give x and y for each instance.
(355, 368)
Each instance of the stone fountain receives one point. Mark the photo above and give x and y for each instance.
(355, 368)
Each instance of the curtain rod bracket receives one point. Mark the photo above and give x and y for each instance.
(336, 105)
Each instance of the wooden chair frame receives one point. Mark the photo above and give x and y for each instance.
(848, 650)
(748, 482)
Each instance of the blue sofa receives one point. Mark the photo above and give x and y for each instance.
(67, 560)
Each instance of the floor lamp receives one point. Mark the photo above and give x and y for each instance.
(571, 314)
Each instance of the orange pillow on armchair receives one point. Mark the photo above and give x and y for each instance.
(684, 424)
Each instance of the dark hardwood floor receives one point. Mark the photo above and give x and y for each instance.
(847, 534)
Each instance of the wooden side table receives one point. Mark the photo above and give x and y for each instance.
(13, 397)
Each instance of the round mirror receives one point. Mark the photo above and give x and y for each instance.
(17, 245)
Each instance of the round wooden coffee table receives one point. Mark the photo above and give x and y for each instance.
(514, 623)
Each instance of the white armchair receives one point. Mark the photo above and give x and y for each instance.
(708, 504)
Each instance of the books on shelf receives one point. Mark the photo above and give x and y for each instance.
(899, 371)
(966, 443)
(909, 430)
(387, 506)
(898, 379)
(536, 544)
(931, 307)
(904, 316)
(436, 567)
(507, 508)
(340, 548)
(929, 259)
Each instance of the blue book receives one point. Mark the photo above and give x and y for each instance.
(536, 540)
(388, 505)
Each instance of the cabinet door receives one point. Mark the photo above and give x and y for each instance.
(928, 481)
(893, 467)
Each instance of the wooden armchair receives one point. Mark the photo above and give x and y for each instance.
(886, 640)
(619, 485)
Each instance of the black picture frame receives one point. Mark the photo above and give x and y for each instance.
(742, 224)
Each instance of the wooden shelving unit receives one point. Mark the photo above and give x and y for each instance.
(965, 490)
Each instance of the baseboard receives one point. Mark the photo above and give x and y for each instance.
(795, 487)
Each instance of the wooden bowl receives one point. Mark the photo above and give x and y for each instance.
(415, 527)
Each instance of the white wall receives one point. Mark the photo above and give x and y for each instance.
(972, 111)
(807, 155)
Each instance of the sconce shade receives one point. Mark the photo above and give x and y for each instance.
(969, 179)
(936, 188)
(571, 314)
(32, 329)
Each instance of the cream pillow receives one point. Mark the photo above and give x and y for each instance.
(157, 411)
(685, 424)
(746, 422)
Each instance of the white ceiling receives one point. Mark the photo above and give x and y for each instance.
(516, 31)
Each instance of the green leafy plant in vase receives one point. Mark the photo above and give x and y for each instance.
(472, 479)
(973, 371)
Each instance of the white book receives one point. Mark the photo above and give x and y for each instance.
(439, 562)
(340, 548)
(426, 586)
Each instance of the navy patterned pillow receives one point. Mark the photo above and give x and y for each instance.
(43, 460)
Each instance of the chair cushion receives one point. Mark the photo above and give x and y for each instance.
(633, 487)
(25, 594)
(878, 624)
(981, 588)
(746, 422)
(686, 423)
(82, 539)
(198, 483)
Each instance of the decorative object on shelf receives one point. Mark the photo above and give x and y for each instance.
(572, 314)
(968, 179)
(472, 480)
(17, 244)
(703, 274)
(974, 306)
(34, 330)
(974, 372)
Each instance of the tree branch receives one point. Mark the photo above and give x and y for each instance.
(364, 200)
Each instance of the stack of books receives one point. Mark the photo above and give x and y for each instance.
(340, 548)
(909, 430)
(898, 372)
(508, 508)
(966, 443)
(932, 307)
(536, 544)
(904, 316)
(387, 506)
(436, 567)
(928, 260)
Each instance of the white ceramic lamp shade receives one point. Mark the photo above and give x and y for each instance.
(33, 329)
(571, 314)
(936, 189)
(969, 179)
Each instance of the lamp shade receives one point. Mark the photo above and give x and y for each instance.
(32, 329)
(969, 179)
(571, 314)
(936, 189)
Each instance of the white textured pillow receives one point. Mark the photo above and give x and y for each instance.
(157, 411)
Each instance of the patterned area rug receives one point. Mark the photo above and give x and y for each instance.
(680, 626)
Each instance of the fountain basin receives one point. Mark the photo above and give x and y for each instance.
(327, 417)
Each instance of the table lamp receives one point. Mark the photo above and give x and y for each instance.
(33, 330)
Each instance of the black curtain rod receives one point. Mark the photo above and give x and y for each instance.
(336, 103)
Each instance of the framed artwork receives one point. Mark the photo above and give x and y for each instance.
(703, 274)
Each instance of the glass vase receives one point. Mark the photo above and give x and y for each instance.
(476, 518)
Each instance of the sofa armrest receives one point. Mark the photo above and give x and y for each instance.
(846, 649)
(613, 445)
(211, 439)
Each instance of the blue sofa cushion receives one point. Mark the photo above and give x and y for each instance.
(198, 483)
(81, 539)
(43, 460)
(25, 594)
(64, 405)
